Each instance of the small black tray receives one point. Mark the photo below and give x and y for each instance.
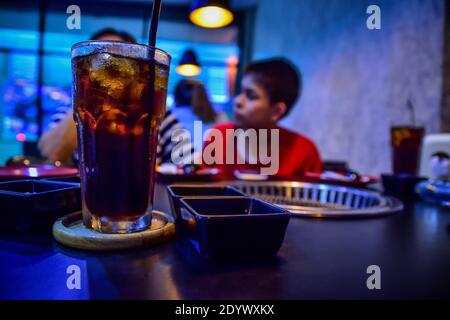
(33, 205)
(401, 186)
(238, 227)
(178, 191)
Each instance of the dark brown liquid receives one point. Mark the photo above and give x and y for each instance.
(406, 142)
(117, 114)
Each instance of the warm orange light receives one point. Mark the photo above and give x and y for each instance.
(211, 17)
(189, 70)
(232, 60)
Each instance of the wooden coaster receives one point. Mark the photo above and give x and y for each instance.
(70, 231)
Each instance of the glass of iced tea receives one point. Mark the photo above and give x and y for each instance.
(119, 98)
(406, 142)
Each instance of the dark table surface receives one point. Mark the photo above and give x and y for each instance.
(319, 259)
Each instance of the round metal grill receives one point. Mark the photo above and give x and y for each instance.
(321, 200)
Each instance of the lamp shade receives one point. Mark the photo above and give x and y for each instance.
(211, 13)
(189, 65)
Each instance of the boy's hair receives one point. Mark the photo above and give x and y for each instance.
(126, 37)
(279, 78)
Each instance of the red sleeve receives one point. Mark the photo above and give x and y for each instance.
(307, 158)
(313, 163)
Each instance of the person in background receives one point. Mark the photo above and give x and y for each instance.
(192, 104)
(269, 89)
(59, 141)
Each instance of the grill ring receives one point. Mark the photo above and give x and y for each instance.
(321, 200)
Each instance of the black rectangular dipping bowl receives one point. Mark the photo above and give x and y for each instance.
(178, 191)
(33, 205)
(238, 227)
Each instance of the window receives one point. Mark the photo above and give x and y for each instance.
(19, 58)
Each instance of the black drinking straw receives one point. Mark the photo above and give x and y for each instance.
(412, 112)
(154, 23)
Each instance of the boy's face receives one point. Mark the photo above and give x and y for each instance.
(252, 107)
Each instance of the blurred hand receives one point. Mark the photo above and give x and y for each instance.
(59, 143)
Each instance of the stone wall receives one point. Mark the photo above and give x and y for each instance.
(357, 81)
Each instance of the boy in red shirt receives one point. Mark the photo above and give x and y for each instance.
(269, 89)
